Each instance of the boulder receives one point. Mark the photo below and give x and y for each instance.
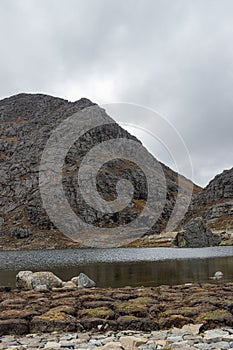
(30, 280)
(46, 278)
(23, 280)
(132, 342)
(111, 346)
(83, 281)
(69, 285)
(193, 329)
(195, 234)
(217, 276)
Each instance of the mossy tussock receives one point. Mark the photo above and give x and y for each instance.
(99, 309)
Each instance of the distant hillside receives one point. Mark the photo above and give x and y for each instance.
(215, 203)
(26, 122)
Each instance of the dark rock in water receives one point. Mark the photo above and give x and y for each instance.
(217, 276)
(195, 234)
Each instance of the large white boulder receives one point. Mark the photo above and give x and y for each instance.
(30, 280)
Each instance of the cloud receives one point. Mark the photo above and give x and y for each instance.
(172, 56)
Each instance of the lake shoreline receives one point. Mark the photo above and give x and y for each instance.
(116, 267)
(142, 243)
(142, 309)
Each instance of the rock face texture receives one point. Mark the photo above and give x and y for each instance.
(26, 122)
(215, 205)
(196, 235)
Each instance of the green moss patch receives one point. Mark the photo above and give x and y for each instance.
(98, 312)
(219, 315)
(132, 307)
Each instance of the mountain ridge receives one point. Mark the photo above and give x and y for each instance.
(26, 121)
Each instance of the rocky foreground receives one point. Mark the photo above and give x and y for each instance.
(186, 338)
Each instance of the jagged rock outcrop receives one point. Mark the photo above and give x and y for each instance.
(26, 122)
(215, 205)
(195, 234)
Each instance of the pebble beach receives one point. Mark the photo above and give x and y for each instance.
(174, 339)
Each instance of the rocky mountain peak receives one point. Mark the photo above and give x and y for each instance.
(26, 122)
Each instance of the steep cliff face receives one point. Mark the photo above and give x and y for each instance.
(26, 122)
(215, 204)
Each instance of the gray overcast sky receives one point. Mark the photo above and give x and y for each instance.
(174, 56)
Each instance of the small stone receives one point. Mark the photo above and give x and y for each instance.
(41, 288)
(223, 345)
(149, 346)
(162, 342)
(108, 339)
(66, 337)
(193, 338)
(52, 345)
(205, 346)
(67, 343)
(192, 328)
(218, 275)
(215, 334)
(132, 342)
(160, 335)
(83, 336)
(175, 338)
(69, 285)
(184, 346)
(95, 342)
(111, 346)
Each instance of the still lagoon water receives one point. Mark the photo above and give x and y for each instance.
(121, 267)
